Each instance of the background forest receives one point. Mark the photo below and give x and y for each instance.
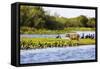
(34, 19)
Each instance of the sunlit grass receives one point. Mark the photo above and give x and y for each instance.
(28, 30)
(33, 43)
(86, 41)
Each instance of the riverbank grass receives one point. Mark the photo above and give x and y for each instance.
(28, 30)
(33, 43)
(87, 41)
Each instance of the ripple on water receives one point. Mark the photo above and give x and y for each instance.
(58, 54)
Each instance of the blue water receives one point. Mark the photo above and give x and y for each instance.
(55, 35)
(86, 52)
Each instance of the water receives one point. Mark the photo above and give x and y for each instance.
(55, 35)
(41, 35)
(86, 52)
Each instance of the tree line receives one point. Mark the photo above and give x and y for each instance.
(36, 17)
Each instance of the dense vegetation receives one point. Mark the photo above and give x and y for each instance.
(28, 30)
(35, 43)
(34, 18)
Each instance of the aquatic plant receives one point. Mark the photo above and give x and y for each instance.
(34, 43)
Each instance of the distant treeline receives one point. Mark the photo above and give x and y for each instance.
(38, 18)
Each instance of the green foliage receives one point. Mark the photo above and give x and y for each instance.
(34, 43)
(28, 30)
(53, 24)
(86, 41)
(32, 16)
(36, 17)
(91, 22)
(83, 20)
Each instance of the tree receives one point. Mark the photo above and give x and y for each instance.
(32, 16)
(24, 10)
(53, 24)
(91, 22)
(83, 20)
(36, 17)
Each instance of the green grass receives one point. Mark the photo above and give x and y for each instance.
(86, 41)
(28, 30)
(34, 43)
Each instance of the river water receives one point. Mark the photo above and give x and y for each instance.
(55, 35)
(86, 52)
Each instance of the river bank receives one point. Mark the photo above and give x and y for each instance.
(36, 43)
(28, 30)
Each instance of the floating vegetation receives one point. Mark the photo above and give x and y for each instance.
(35, 43)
